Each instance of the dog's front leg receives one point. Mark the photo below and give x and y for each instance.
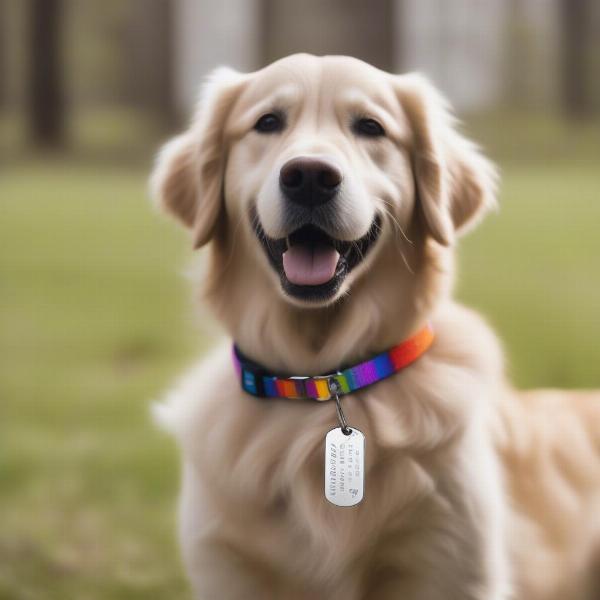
(452, 547)
(442, 572)
(216, 565)
(217, 570)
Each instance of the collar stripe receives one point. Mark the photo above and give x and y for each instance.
(256, 381)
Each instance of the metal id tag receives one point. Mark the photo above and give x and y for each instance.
(344, 466)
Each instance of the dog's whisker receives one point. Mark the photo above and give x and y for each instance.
(387, 209)
(397, 225)
(406, 264)
(233, 245)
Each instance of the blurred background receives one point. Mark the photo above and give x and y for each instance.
(94, 312)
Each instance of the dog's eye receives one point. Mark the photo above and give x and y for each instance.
(269, 123)
(368, 128)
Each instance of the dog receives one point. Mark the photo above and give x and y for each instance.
(330, 196)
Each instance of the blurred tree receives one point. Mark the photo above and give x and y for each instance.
(150, 60)
(353, 27)
(3, 65)
(517, 49)
(46, 93)
(575, 15)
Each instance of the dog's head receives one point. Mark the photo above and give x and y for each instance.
(318, 167)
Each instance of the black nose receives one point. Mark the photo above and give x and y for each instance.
(309, 181)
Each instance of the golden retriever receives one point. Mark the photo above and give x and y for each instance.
(473, 491)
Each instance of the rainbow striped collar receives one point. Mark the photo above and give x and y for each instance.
(256, 381)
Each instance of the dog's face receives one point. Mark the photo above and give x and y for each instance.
(318, 163)
(326, 147)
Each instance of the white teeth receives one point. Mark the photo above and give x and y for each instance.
(287, 242)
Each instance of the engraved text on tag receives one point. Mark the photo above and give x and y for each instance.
(344, 467)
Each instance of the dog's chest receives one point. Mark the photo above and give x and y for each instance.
(267, 473)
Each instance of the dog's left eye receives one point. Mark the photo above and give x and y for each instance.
(368, 128)
(269, 123)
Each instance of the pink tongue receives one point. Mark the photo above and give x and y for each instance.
(305, 265)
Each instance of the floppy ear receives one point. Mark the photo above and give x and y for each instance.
(187, 180)
(455, 183)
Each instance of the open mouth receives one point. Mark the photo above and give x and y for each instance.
(312, 264)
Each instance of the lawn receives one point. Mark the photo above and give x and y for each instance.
(95, 321)
(92, 329)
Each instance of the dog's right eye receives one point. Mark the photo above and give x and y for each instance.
(269, 123)
(368, 128)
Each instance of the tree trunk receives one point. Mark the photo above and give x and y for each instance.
(46, 94)
(3, 65)
(574, 20)
(354, 27)
(150, 60)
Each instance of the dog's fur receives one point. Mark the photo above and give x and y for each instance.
(473, 491)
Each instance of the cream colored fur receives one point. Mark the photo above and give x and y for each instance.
(473, 491)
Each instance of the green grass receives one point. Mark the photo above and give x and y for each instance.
(92, 327)
(532, 269)
(94, 323)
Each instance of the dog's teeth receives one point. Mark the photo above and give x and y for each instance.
(287, 242)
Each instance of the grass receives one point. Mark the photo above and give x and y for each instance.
(92, 329)
(93, 325)
(533, 271)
